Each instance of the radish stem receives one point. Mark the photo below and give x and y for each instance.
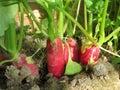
(78, 8)
(102, 31)
(79, 26)
(109, 51)
(85, 16)
(21, 27)
(90, 32)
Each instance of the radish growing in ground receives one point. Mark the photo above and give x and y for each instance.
(58, 59)
(27, 62)
(55, 58)
(65, 54)
(89, 55)
(58, 56)
(73, 50)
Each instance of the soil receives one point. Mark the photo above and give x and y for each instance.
(102, 76)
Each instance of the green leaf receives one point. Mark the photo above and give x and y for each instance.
(116, 61)
(72, 68)
(7, 15)
(88, 3)
(94, 6)
(108, 22)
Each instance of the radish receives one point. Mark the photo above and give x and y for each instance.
(66, 53)
(58, 57)
(55, 58)
(89, 55)
(73, 50)
(20, 61)
(27, 62)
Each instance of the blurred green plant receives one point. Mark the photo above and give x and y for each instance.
(8, 33)
(10, 39)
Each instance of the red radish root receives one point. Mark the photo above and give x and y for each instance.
(55, 60)
(91, 53)
(73, 50)
(23, 62)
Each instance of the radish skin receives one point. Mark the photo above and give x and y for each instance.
(55, 58)
(23, 62)
(91, 53)
(73, 50)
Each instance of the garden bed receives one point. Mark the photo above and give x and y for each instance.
(59, 45)
(107, 76)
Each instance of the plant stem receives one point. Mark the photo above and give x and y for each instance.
(30, 19)
(21, 27)
(115, 43)
(67, 3)
(111, 35)
(79, 26)
(49, 12)
(77, 14)
(35, 52)
(85, 16)
(11, 60)
(51, 32)
(60, 25)
(102, 31)
(69, 53)
(25, 2)
(109, 52)
(11, 39)
(90, 24)
(6, 61)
